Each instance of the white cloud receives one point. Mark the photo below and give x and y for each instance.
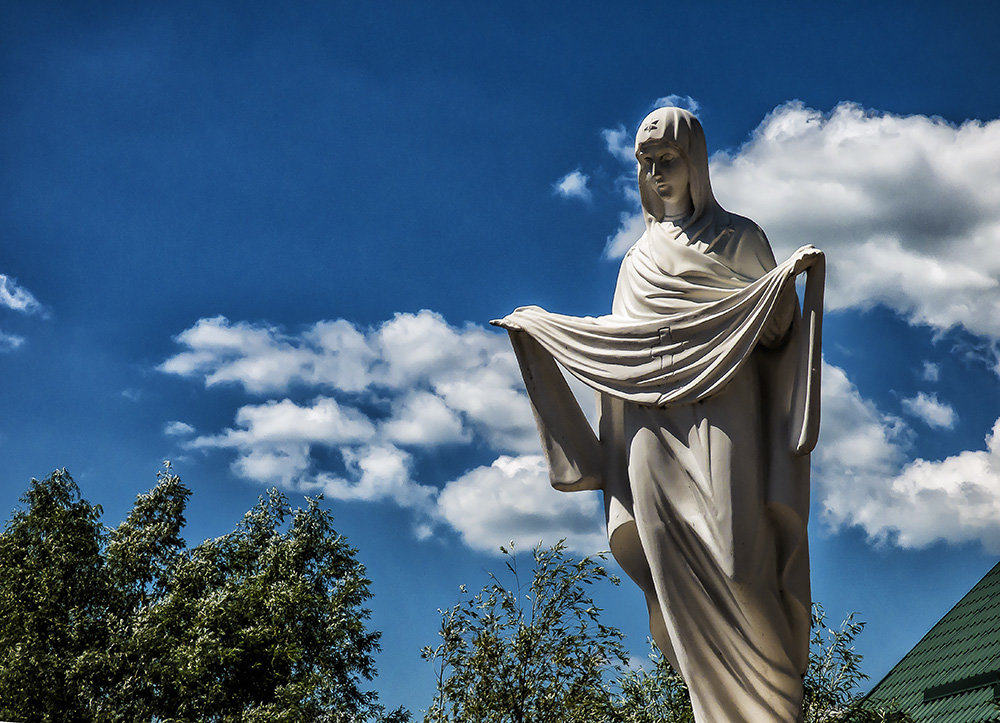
(286, 465)
(414, 381)
(409, 350)
(620, 144)
(678, 101)
(861, 477)
(930, 372)
(857, 443)
(513, 500)
(956, 499)
(18, 298)
(498, 411)
(906, 207)
(258, 357)
(273, 440)
(442, 382)
(423, 419)
(380, 472)
(931, 411)
(422, 348)
(178, 429)
(630, 228)
(436, 383)
(282, 423)
(342, 354)
(10, 342)
(573, 185)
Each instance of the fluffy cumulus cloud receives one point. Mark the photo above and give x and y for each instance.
(955, 499)
(859, 447)
(424, 419)
(407, 351)
(273, 440)
(351, 411)
(863, 477)
(379, 472)
(934, 413)
(573, 185)
(906, 207)
(511, 500)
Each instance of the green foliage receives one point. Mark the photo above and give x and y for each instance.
(834, 672)
(529, 651)
(266, 622)
(140, 556)
(263, 621)
(834, 677)
(53, 595)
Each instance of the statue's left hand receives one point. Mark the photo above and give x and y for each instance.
(805, 256)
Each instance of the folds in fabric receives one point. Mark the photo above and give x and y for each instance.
(686, 355)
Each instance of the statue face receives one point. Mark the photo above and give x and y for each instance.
(665, 171)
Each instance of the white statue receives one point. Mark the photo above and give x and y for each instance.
(708, 383)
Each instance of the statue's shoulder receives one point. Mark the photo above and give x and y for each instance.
(748, 244)
(745, 228)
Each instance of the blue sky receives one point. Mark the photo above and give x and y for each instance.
(264, 240)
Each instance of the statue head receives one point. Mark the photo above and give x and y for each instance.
(674, 139)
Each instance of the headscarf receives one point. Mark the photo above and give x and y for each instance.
(679, 128)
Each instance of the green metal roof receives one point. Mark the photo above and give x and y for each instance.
(953, 674)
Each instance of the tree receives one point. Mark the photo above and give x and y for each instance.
(53, 596)
(141, 555)
(528, 652)
(834, 676)
(266, 622)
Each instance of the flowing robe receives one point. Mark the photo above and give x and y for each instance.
(708, 383)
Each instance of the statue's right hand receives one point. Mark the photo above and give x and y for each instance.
(505, 323)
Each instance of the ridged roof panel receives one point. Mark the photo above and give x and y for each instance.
(953, 674)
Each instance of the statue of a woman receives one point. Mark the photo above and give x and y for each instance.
(707, 376)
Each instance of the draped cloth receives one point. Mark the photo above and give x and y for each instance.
(707, 377)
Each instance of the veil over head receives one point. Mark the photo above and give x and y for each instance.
(681, 129)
